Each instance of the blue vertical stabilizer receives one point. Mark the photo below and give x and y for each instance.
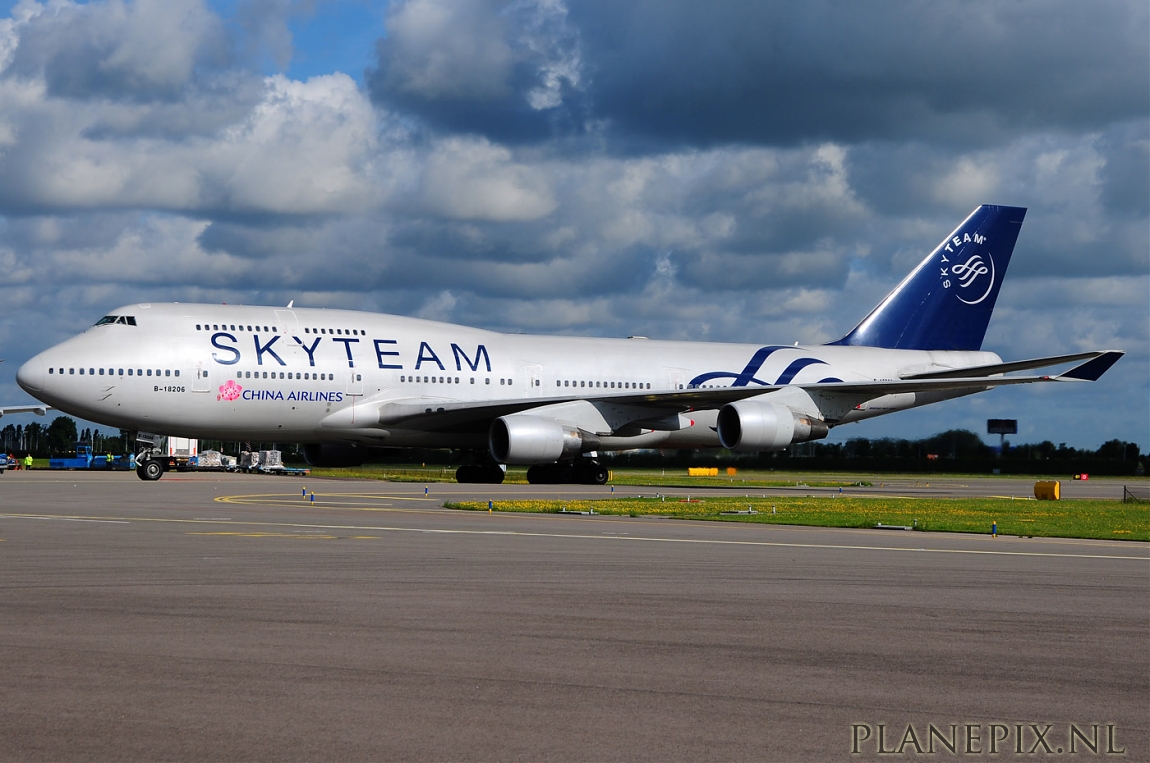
(946, 302)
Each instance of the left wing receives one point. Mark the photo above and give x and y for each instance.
(461, 417)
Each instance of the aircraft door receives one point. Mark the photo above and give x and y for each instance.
(200, 378)
(676, 378)
(534, 376)
(355, 382)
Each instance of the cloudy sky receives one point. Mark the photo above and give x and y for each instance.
(725, 171)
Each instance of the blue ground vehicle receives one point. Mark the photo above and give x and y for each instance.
(85, 459)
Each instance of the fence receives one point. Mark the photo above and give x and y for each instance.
(1136, 494)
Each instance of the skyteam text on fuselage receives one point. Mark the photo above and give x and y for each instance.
(341, 381)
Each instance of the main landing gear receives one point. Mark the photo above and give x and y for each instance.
(486, 474)
(582, 471)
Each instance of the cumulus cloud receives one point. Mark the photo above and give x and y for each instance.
(114, 49)
(504, 69)
(475, 180)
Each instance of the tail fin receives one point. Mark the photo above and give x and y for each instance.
(945, 303)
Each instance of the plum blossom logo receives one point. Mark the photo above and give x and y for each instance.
(229, 391)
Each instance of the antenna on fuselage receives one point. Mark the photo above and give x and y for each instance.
(292, 302)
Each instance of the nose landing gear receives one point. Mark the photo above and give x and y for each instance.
(148, 465)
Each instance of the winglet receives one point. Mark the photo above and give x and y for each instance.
(1091, 370)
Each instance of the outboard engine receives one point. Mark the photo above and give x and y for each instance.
(758, 426)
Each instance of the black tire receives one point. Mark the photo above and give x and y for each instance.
(464, 474)
(151, 470)
(494, 475)
(596, 475)
(541, 474)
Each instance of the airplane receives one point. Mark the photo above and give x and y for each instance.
(341, 382)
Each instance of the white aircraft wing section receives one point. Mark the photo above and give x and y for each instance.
(1111, 356)
(39, 410)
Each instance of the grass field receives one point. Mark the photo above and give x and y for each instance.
(1110, 520)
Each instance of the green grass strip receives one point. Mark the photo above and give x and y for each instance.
(1110, 520)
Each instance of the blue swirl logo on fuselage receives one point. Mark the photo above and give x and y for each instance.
(748, 375)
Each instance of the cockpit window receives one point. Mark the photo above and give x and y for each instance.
(126, 320)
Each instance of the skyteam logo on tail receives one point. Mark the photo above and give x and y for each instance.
(972, 274)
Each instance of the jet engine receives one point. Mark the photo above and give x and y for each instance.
(333, 455)
(533, 440)
(758, 426)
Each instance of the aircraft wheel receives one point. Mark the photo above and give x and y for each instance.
(151, 470)
(541, 474)
(596, 475)
(494, 475)
(465, 474)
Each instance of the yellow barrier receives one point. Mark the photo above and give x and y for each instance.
(702, 471)
(1048, 491)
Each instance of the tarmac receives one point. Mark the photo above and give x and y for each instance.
(227, 617)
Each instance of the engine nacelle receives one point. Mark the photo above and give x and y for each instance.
(532, 440)
(333, 455)
(758, 426)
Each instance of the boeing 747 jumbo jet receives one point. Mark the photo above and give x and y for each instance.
(340, 381)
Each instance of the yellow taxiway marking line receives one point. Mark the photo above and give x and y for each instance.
(294, 499)
(269, 535)
(600, 537)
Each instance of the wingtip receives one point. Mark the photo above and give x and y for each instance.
(1092, 370)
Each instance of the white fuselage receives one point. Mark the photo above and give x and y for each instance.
(311, 375)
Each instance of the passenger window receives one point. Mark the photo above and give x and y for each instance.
(72, 371)
(149, 372)
(51, 370)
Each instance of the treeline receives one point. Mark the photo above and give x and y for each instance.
(956, 450)
(59, 438)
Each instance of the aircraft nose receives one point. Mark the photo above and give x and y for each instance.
(31, 375)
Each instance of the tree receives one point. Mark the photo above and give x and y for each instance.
(61, 435)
